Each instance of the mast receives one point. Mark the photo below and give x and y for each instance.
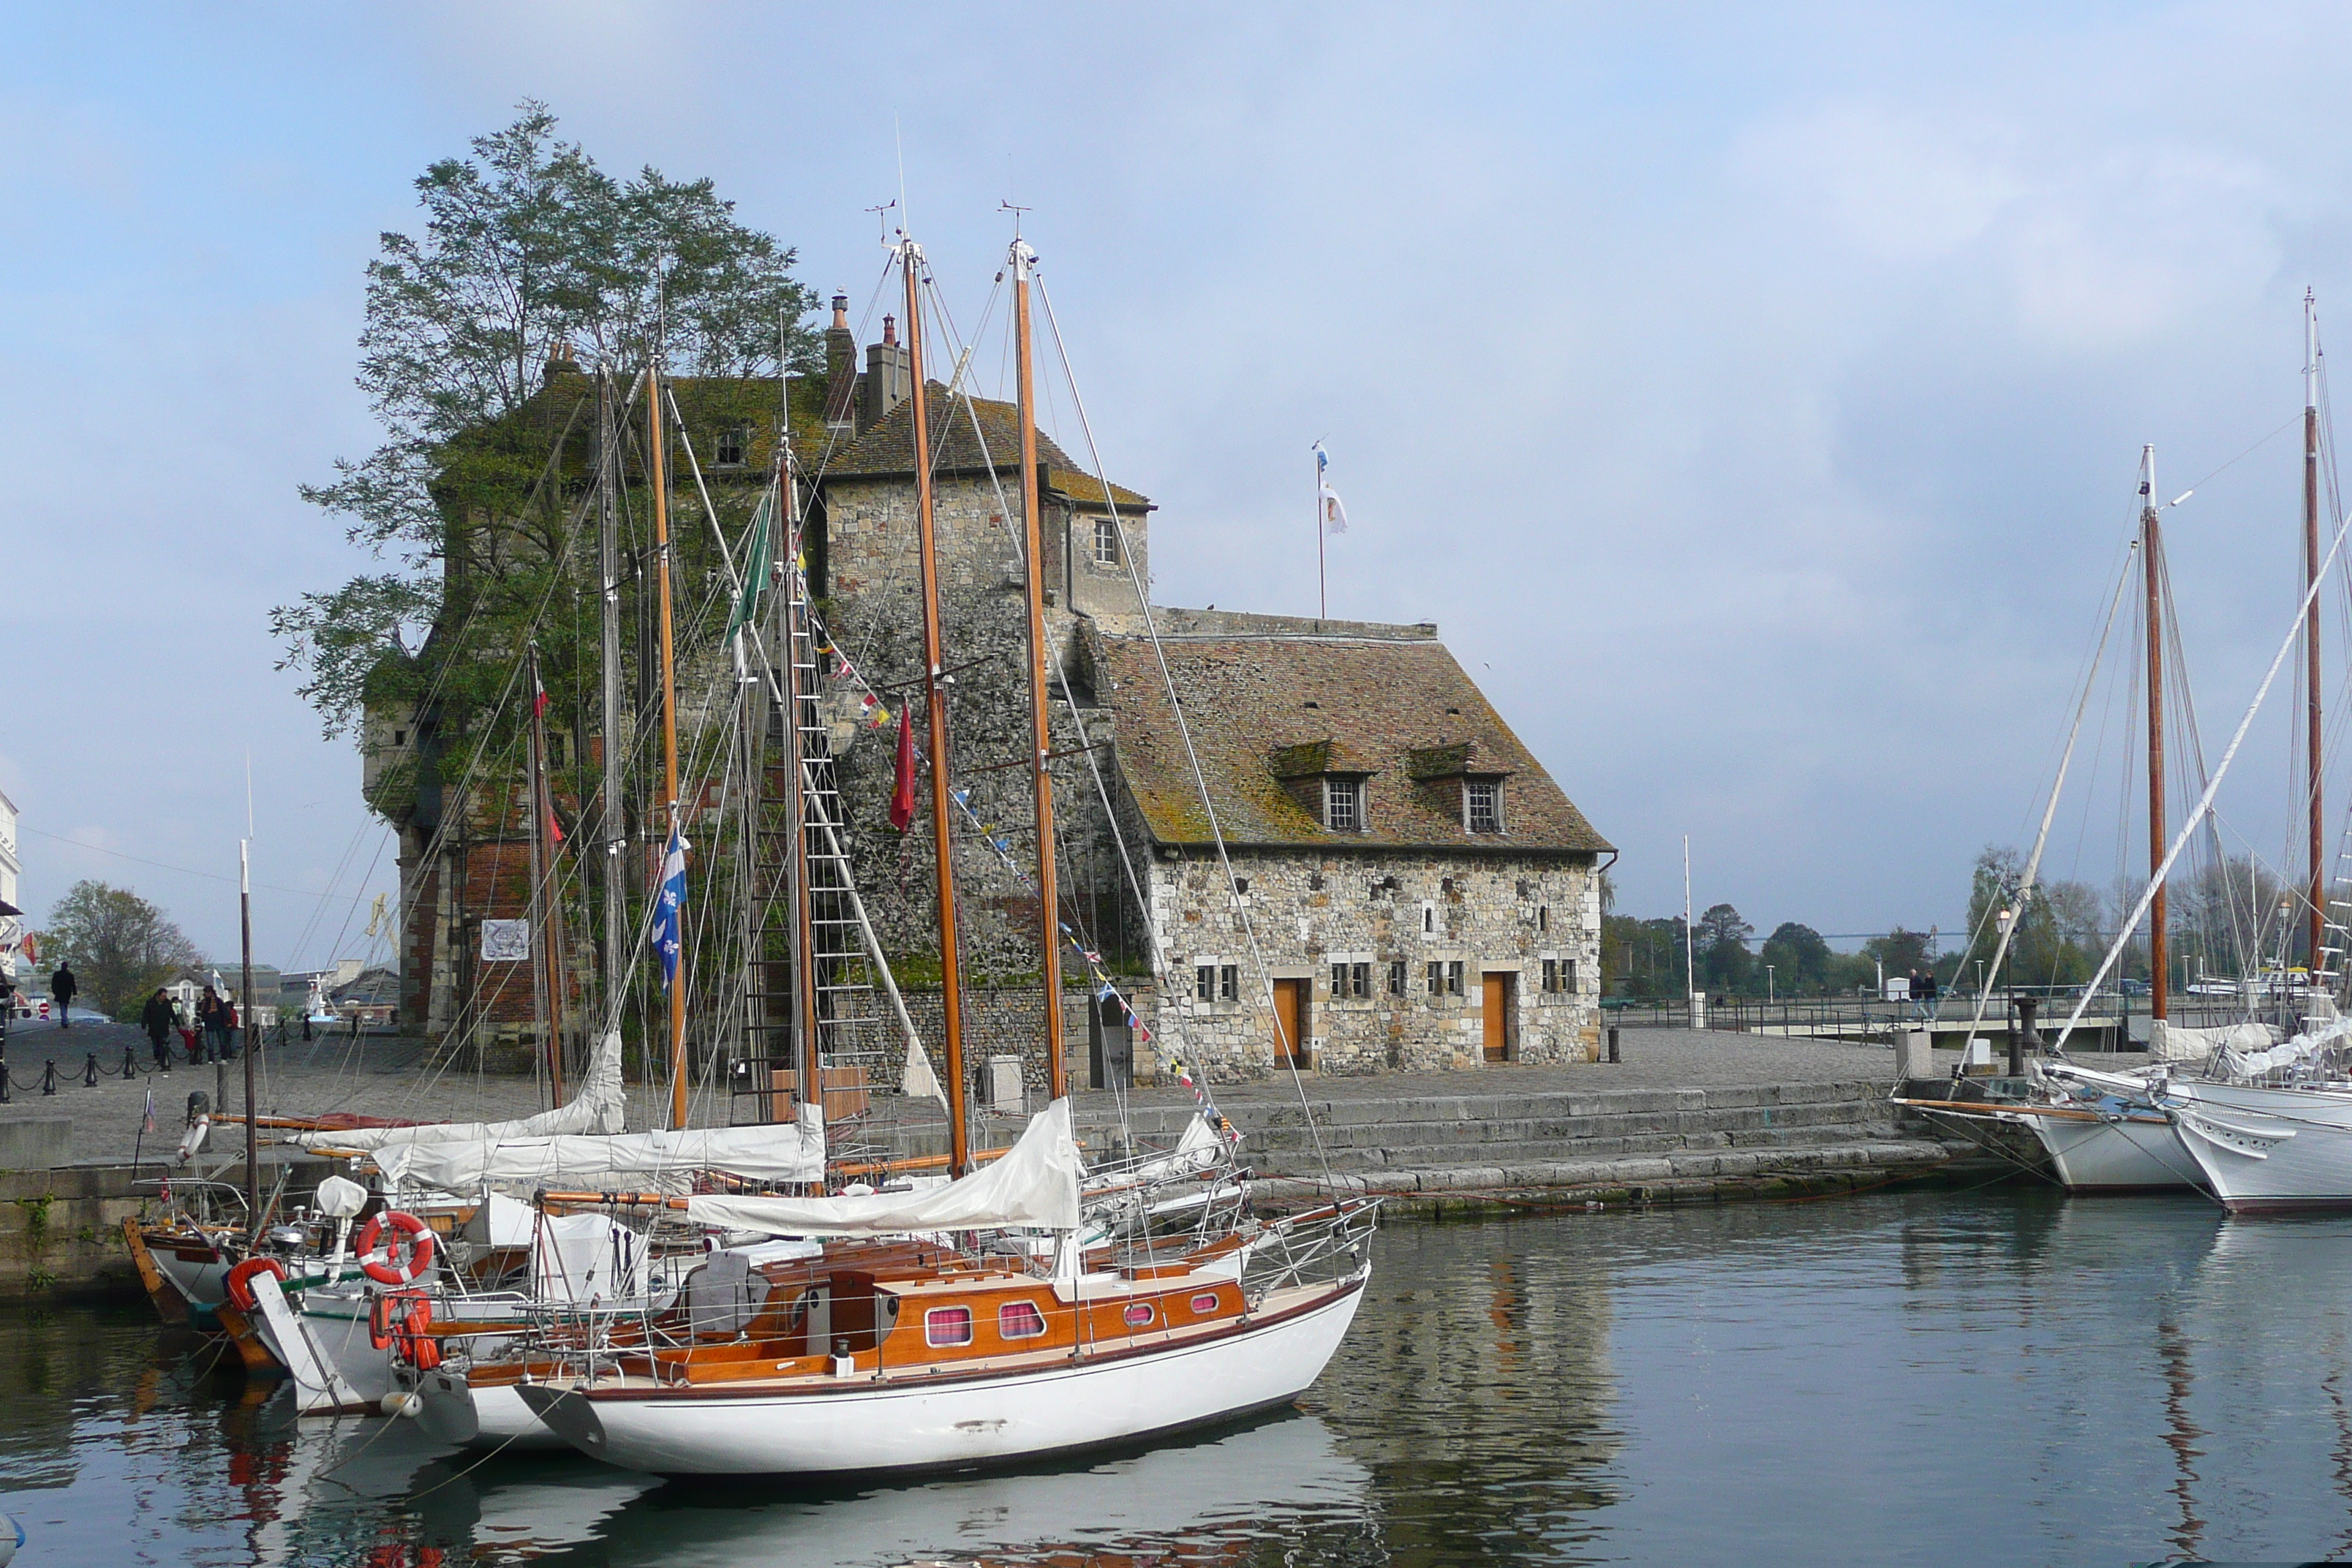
(252, 1034)
(2158, 975)
(609, 815)
(1049, 904)
(800, 703)
(910, 263)
(546, 917)
(2312, 742)
(658, 476)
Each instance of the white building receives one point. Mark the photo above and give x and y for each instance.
(12, 921)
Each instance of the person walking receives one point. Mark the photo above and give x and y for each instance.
(219, 1019)
(158, 1018)
(62, 988)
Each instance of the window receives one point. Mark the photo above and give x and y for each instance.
(731, 442)
(1229, 982)
(1343, 805)
(1568, 974)
(1241, 887)
(1019, 1320)
(1559, 974)
(400, 737)
(1429, 920)
(1436, 978)
(1105, 542)
(1396, 977)
(1204, 1303)
(1445, 978)
(1543, 917)
(948, 1326)
(1351, 979)
(1482, 806)
(1338, 981)
(1205, 982)
(1138, 1314)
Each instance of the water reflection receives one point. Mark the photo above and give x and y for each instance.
(1930, 1378)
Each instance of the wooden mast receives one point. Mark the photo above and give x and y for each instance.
(611, 820)
(546, 908)
(910, 263)
(658, 476)
(2150, 543)
(1049, 905)
(2317, 923)
(800, 703)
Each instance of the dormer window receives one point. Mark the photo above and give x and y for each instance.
(732, 440)
(1343, 805)
(1482, 805)
(1105, 542)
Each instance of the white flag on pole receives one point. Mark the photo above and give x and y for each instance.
(1335, 515)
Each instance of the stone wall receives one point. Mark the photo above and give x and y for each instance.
(1489, 914)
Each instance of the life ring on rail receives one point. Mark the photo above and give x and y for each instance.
(406, 1252)
(240, 1281)
(401, 1323)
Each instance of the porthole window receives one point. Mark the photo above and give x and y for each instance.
(1019, 1320)
(1205, 1302)
(948, 1326)
(1138, 1314)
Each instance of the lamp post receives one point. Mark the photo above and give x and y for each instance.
(1770, 994)
(1980, 977)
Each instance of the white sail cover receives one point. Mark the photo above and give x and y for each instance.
(1034, 1184)
(2177, 1043)
(659, 1160)
(598, 1108)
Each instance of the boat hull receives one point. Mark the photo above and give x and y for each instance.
(872, 1427)
(2268, 1151)
(2127, 1154)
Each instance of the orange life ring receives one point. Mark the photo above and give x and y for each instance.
(240, 1281)
(406, 1253)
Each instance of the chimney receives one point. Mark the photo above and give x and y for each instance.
(560, 361)
(889, 377)
(840, 366)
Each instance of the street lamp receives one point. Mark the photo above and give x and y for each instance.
(1770, 994)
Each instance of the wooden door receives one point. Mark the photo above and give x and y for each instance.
(1497, 988)
(1290, 1022)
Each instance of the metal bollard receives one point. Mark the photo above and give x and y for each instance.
(49, 1077)
(1612, 1043)
(129, 1065)
(89, 1072)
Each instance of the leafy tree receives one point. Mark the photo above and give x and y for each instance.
(1721, 938)
(1801, 960)
(528, 253)
(1642, 958)
(1899, 950)
(120, 946)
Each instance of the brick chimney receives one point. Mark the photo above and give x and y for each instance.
(889, 377)
(840, 366)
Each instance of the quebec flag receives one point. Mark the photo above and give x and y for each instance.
(666, 905)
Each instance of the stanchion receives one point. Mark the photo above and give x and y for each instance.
(49, 1077)
(1612, 1043)
(129, 1065)
(89, 1072)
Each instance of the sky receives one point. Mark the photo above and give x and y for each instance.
(1754, 400)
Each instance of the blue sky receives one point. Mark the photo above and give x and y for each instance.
(1754, 401)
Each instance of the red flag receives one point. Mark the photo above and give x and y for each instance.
(554, 828)
(538, 699)
(902, 791)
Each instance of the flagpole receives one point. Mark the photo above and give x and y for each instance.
(1322, 596)
(657, 477)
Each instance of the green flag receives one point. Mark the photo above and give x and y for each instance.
(755, 565)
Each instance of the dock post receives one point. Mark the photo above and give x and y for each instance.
(1612, 1043)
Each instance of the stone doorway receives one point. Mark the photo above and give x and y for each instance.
(1499, 988)
(1290, 1024)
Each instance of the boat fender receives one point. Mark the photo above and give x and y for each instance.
(401, 1321)
(398, 1403)
(11, 1539)
(406, 1252)
(240, 1281)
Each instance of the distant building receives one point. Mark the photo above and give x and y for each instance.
(12, 923)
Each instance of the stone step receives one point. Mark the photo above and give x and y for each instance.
(1894, 1157)
(1292, 1161)
(1258, 1110)
(1392, 1135)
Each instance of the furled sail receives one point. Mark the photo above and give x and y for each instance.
(598, 1108)
(1034, 1184)
(663, 1161)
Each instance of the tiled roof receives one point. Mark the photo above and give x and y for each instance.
(1398, 708)
(889, 449)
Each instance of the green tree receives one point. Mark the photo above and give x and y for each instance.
(120, 946)
(528, 253)
(1800, 960)
(1721, 938)
(1899, 951)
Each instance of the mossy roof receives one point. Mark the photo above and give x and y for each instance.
(889, 449)
(1256, 705)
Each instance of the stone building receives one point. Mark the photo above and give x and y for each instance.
(1408, 888)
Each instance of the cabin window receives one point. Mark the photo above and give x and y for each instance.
(1482, 806)
(1019, 1320)
(1203, 1303)
(1229, 982)
(1138, 1314)
(1343, 805)
(732, 443)
(948, 1326)
(1396, 977)
(1105, 542)
(1205, 982)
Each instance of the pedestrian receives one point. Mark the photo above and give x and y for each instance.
(157, 1018)
(218, 1019)
(62, 986)
(1925, 988)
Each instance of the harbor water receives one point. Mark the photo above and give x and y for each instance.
(2002, 1376)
